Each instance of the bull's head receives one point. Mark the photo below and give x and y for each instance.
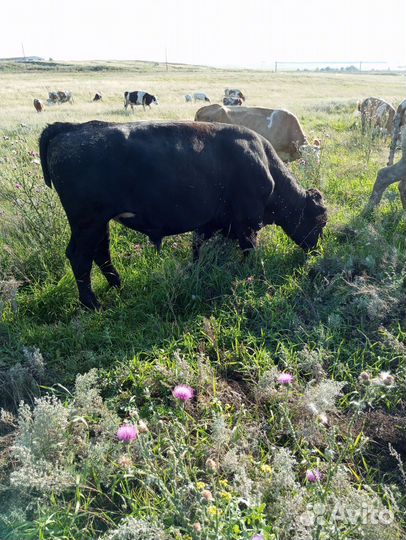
(311, 222)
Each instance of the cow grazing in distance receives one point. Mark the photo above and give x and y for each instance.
(234, 93)
(389, 175)
(65, 96)
(139, 98)
(281, 128)
(52, 98)
(97, 97)
(232, 101)
(376, 114)
(188, 98)
(38, 105)
(200, 96)
(169, 178)
(61, 96)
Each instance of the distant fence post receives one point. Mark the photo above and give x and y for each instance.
(276, 67)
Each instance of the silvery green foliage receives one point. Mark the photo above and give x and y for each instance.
(40, 447)
(283, 471)
(135, 529)
(266, 388)
(54, 441)
(8, 293)
(21, 379)
(321, 398)
(43, 429)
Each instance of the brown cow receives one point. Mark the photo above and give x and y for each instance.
(38, 105)
(376, 113)
(281, 128)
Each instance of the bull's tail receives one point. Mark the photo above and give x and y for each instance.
(47, 135)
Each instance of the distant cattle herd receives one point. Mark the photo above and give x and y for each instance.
(168, 178)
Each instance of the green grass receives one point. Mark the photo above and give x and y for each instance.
(226, 326)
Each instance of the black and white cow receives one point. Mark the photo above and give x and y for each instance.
(234, 93)
(139, 98)
(233, 101)
(169, 178)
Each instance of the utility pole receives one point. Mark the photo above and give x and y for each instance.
(276, 66)
(166, 58)
(22, 46)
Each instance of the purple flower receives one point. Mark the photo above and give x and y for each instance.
(18, 185)
(313, 476)
(127, 433)
(257, 537)
(183, 392)
(285, 378)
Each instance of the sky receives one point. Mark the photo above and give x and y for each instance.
(239, 33)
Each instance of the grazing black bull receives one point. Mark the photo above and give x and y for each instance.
(170, 178)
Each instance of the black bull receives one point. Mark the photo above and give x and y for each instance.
(170, 178)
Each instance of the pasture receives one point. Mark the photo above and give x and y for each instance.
(318, 456)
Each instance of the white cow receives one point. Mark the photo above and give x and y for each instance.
(200, 96)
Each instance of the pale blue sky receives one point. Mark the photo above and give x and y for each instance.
(251, 33)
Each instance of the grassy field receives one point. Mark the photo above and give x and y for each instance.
(253, 455)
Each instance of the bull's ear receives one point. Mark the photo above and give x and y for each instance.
(314, 194)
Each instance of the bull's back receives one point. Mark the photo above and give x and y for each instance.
(185, 173)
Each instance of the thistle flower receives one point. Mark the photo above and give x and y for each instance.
(124, 462)
(142, 427)
(313, 475)
(386, 378)
(285, 378)
(206, 494)
(127, 433)
(183, 392)
(211, 465)
(364, 377)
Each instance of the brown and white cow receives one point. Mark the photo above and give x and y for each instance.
(38, 105)
(281, 128)
(378, 114)
(234, 93)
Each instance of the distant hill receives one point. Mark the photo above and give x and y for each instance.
(35, 63)
(23, 59)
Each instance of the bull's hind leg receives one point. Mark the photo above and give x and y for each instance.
(199, 237)
(102, 258)
(247, 238)
(80, 252)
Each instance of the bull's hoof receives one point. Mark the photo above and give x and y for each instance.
(91, 304)
(114, 281)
